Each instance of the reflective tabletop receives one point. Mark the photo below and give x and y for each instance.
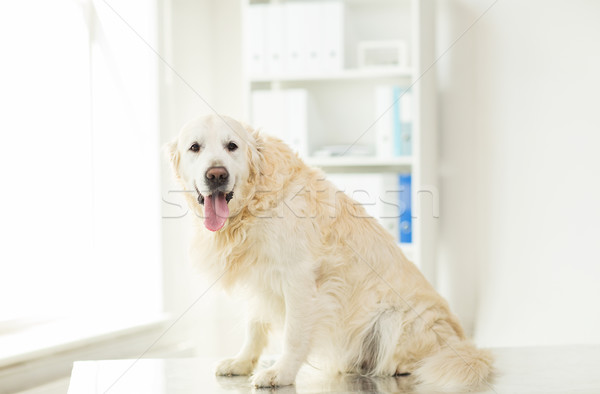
(565, 369)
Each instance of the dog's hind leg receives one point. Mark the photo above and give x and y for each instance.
(379, 344)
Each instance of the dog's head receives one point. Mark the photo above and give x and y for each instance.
(214, 156)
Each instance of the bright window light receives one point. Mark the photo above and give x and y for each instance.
(79, 204)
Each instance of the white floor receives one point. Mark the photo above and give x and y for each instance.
(569, 369)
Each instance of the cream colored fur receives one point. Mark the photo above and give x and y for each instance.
(309, 260)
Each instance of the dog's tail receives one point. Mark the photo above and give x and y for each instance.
(458, 366)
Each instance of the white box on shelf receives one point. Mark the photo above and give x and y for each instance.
(295, 38)
(393, 107)
(384, 129)
(406, 122)
(382, 54)
(389, 210)
(296, 119)
(378, 194)
(268, 112)
(283, 114)
(332, 35)
(361, 187)
(343, 150)
(313, 35)
(275, 39)
(296, 44)
(256, 39)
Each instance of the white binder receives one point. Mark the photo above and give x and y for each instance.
(256, 40)
(275, 39)
(332, 35)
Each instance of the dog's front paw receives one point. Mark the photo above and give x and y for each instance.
(235, 367)
(273, 377)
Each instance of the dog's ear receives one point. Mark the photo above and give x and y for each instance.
(171, 152)
(255, 151)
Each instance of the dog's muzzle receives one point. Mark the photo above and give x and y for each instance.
(216, 178)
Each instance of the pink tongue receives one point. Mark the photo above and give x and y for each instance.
(216, 211)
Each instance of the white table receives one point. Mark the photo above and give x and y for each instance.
(568, 369)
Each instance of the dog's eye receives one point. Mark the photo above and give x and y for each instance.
(195, 147)
(232, 146)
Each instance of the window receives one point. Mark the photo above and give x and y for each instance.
(80, 213)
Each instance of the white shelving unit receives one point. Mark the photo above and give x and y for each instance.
(342, 75)
(350, 164)
(344, 101)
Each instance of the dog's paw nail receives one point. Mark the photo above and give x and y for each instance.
(233, 367)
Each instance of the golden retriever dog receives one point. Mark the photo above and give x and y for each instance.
(313, 263)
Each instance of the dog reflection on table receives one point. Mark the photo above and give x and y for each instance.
(336, 384)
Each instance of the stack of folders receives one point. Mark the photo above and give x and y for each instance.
(386, 197)
(394, 129)
(294, 37)
(283, 114)
(405, 206)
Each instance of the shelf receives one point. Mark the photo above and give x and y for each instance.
(361, 164)
(343, 75)
(315, 110)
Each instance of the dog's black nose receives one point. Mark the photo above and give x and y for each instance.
(216, 176)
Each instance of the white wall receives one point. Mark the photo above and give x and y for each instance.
(520, 134)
